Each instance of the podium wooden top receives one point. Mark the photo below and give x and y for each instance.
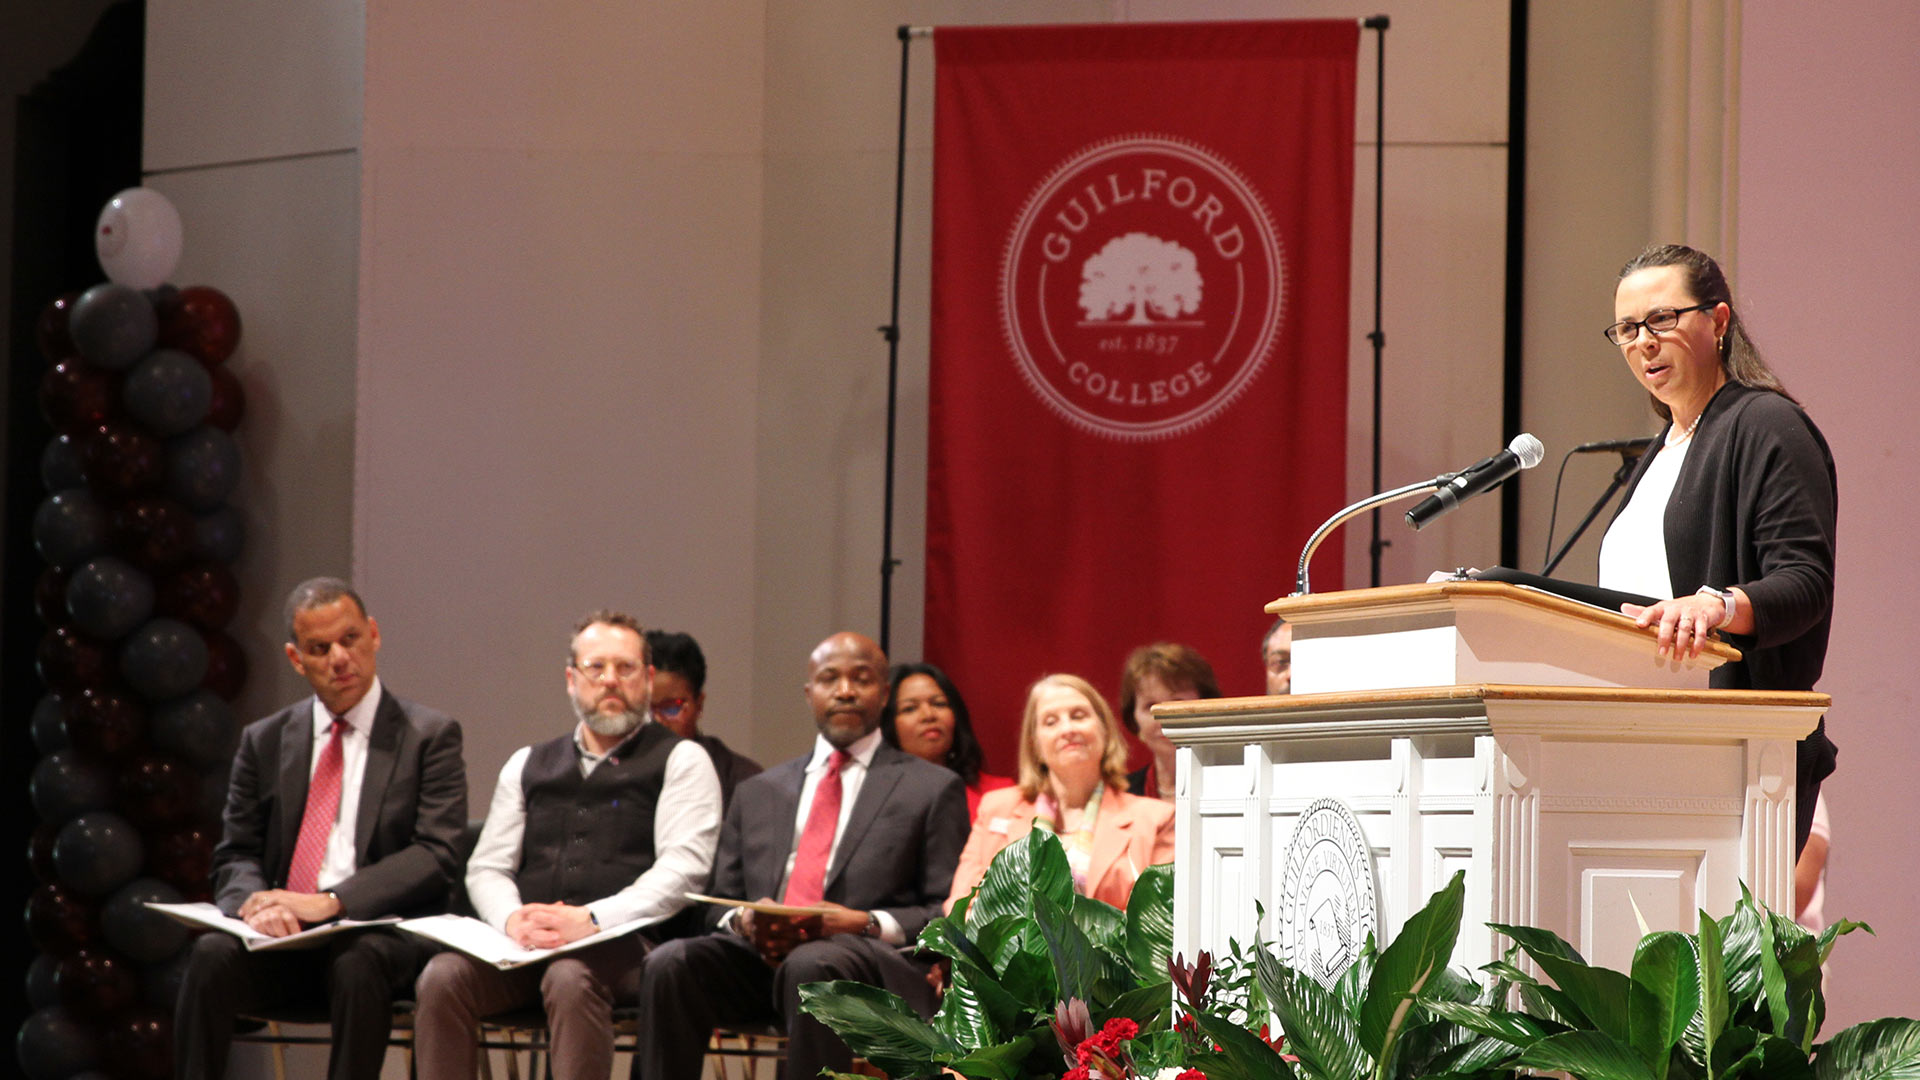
(1399, 600)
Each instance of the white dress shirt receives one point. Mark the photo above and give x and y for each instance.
(340, 862)
(686, 828)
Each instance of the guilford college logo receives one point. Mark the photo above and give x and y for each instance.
(1142, 287)
(1326, 892)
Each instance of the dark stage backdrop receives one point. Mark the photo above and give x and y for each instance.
(1141, 243)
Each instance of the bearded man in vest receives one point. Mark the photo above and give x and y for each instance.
(610, 824)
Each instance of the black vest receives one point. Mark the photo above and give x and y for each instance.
(589, 837)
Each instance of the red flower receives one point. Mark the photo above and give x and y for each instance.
(1191, 1074)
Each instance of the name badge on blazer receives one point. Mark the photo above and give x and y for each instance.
(1000, 825)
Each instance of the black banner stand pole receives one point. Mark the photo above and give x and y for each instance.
(1379, 336)
(891, 332)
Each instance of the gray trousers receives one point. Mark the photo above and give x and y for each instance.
(578, 992)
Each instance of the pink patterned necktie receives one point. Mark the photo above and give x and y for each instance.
(807, 884)
(323, 808)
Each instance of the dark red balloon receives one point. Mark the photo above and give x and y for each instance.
(201, 320)
(76, 397)
(183, 859)
(94, 984)
(56, 343)
(40, 853)
(69, 663)
(226, 664)
(59, 921)
(105, 721)
(121, 460)
(153, 533)
(204, 594)
(139, 1045)
(157, 790)
(50, 596)
(229, 400)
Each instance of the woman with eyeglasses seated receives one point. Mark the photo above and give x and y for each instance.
(1730, 517)
(1154, 674)
(1073, 784)
(927, 717)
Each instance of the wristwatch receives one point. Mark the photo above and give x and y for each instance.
(872, 928)
(1726, 597)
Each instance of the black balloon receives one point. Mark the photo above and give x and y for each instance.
(54, 1045)
(77, 397)
(94, 984)
(154, 533)
(61, 466)
(49, 724)
(51, 332)
(108, 597)
(168, 392)
(204, 594)
(104, 721)
(41, 992)
(71, 527)
(164, 658)
(199, 727)
(203, 467)
(140, 1044)
(157, 790)
(65, 785)
(113, 325)
(142, 934)
(121, 460)
(219, 535)
(226, 665)
(69, 662)
(59, 920)
(97, 852)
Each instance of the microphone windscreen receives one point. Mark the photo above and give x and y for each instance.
(1528, 449)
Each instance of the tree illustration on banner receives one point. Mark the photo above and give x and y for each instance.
(1137, 273)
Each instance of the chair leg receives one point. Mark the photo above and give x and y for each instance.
(279, 1051)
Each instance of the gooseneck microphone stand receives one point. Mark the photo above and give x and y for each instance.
(1354, 511)
(1628, 459)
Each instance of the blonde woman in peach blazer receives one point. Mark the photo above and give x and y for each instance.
(1073, 779)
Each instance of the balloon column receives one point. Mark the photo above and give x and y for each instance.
(136, 728)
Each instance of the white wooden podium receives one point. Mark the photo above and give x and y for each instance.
(1533, 741)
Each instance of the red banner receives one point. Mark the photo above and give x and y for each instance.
(1139, 343)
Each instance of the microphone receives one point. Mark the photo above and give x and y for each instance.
(1524, 452)
(1636, 447)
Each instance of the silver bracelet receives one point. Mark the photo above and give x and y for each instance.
(1726, 597)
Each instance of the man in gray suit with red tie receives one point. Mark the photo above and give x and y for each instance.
(868, 832)
(348, 804)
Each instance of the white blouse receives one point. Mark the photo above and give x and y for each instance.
(1633, 554)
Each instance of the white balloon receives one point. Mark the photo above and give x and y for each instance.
(138, 238)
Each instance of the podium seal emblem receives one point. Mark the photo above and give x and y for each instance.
(1326, 900)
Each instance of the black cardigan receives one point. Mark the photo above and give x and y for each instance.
(1755, 506)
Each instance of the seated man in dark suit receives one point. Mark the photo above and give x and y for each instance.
(346, 804)
(679, 699)
(866, 830)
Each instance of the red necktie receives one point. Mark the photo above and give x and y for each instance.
(323, 807)
(807, 884)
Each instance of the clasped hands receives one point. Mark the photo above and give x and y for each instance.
(774, 936)
(282, 912)
(549, 926)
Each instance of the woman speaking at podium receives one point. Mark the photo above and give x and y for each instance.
(1731, 514)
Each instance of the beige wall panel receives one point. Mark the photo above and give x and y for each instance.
(556, 413)
(230, 80)
(278, 237)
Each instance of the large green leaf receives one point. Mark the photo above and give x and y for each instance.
(1832, 934)
(1714, 1005)
(1879, 1050)
(1666, 995)
(1319, 1032)
(1773, 981)
(1029, 976)
(948, 936)
(1806, 1005)
(999, 1062)
(1104, 924)
(1591, 1055)
(1351, 988)
(1407, 965)
(1742, 944)
(1244, 1055)
(1599, 994)
(1034, 865)
(1149, 1006)
(1474, 1056)
(1150, 923)
(977, 1011)
(1748, 1052)
(1517, 1029)
(1079, 968)
(879, 1026)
